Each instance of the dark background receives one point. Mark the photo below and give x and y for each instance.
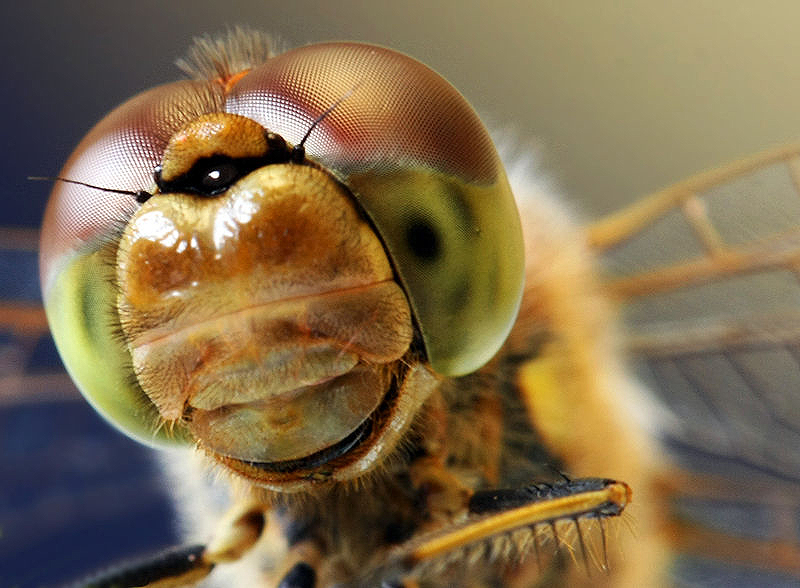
(618, 99)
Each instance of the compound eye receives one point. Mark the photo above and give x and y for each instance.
(423, 168)
(77, 254)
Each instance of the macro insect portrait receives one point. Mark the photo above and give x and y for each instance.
(377, 353)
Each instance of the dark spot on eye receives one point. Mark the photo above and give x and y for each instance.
(423, 240)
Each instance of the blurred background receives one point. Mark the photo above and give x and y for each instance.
(616, 98)
(622, 97)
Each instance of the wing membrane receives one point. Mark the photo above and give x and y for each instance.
(707, 275)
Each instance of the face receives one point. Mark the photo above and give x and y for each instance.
(305, 250)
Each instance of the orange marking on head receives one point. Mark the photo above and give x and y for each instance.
(230, 81)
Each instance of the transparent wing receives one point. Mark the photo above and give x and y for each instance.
(707, 274)
(74, 493)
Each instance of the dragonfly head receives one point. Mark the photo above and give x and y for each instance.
(329, 234)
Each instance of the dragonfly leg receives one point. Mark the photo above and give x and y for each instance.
(236, 532)
(444, 494)
(507, 523)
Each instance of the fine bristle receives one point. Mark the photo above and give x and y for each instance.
(223, 56)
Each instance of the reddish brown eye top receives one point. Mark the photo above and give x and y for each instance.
(120, 152)
(396, 112)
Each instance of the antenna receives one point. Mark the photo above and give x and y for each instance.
(299, 150)
(141, 196)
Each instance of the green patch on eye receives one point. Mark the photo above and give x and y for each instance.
(80, 307)
(457, 248)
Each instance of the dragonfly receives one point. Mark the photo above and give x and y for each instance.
(654, 357)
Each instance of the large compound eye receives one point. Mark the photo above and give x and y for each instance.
(78, 248)
(424, 169)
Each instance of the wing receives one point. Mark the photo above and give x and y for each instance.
(707, 273)
(75, 494)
